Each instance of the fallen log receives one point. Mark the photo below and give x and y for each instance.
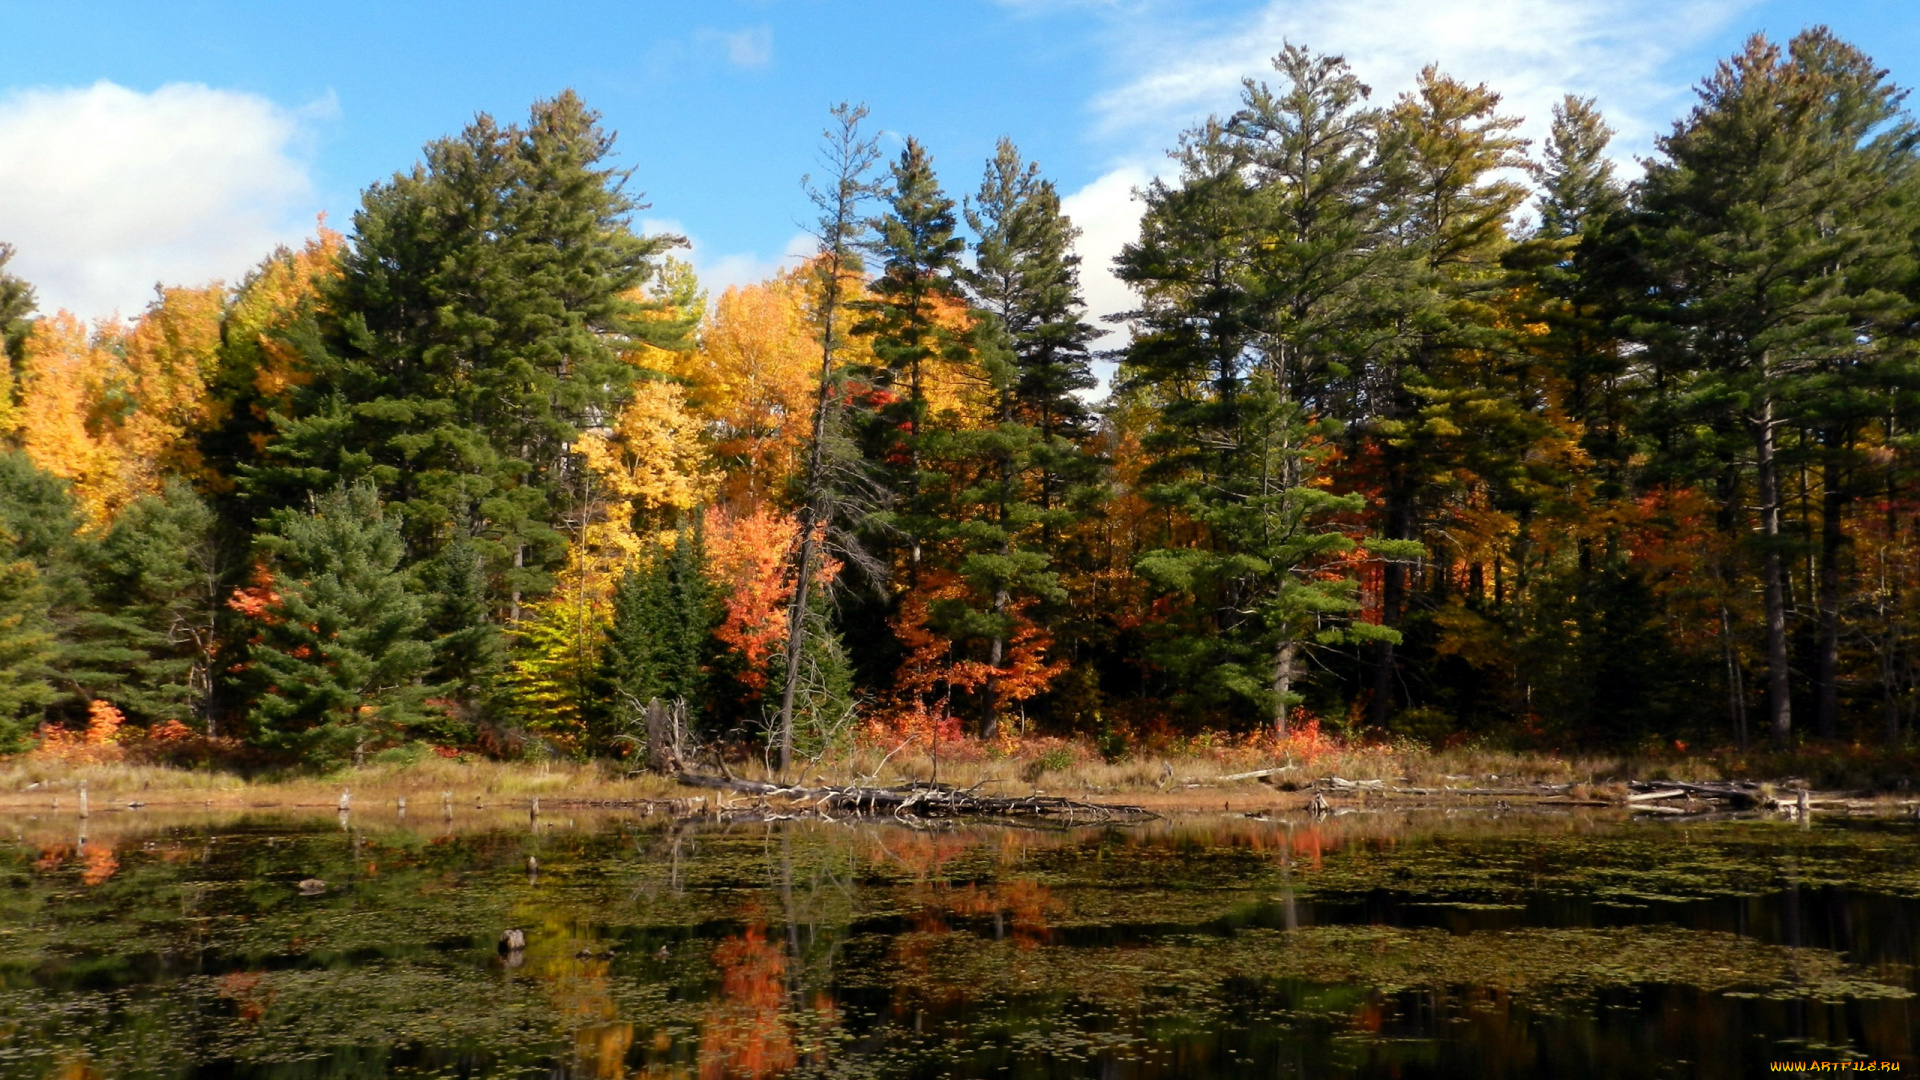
(1741, 793)
(1257, 774)
(670, 806)
(1655, 796)
(1341, 783)
(922, 800)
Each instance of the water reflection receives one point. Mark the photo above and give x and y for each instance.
(1369, 945)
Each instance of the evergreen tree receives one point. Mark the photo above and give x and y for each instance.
(661, 636)
(163, 574)
(26, 647)
(17, 303)
(56, 604)
(1256, 275)
(1763, 252)
(1026, 476)
(36, 523)
(338, 656)
(1451, 381)
(916, 318)
(467, 647)
(1578, 189)
(1579, 195)
(1025, 274)
(480, 322)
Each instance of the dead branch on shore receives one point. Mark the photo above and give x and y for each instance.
(1740, 796)
(924, 800)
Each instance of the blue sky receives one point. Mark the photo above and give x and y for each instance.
(151, 141)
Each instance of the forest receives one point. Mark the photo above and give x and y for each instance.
(1417, 433)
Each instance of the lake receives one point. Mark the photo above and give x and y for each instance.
(1425, 944)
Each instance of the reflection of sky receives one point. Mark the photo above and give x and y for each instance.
(718, 105)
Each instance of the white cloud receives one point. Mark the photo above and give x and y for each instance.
(752, 47)
(1178, 69)
(107, 191)
(1532, 51)
(1109, 218)
(718, 270)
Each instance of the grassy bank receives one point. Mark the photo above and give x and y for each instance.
(1202, 776)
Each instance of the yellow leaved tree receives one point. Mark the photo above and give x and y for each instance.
(753, 379)
(67, 372)
(116, 409)
(644, 477)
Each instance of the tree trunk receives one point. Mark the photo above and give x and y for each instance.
(1832, 537)
(811, 516)
(1779, 702)
(1393, 578)
(1889, 694)
(996, 652)
(809, 542)
(1283, 665)
(519, 561)
(1736, 686)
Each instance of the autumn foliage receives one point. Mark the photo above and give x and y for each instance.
(1412, 432)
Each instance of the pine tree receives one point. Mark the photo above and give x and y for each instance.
(467, 646)
(1026, 274)
(1761, 254)
(1446, 382)
(915, 318)
(338, 656)
(1257, 275)
(659, 642)
(486, 303)
(26, 647)
(1579, 195)
(1025, 477)
(163, 572)
(36, 523)
(1578, 188)
(17, 303)
(39, 513)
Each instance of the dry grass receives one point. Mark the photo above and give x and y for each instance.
(1063, 768)
(421, 783)
(1192, 776)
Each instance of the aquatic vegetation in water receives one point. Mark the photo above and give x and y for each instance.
(1181, 949)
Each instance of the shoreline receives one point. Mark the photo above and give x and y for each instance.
(664, 796)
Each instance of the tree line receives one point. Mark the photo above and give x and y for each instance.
(1418, 431)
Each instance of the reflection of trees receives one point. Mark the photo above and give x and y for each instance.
(579, 990)
(243, 989)
(747, 952)
(98, 862)
(744, 1032)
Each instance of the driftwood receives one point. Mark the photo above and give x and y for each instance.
(1539, 791)
(1738, 794)
(1338, 783)
(1257, 774)
(921, 800)
(679, 807)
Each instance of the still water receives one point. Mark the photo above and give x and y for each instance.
(1369, 945)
